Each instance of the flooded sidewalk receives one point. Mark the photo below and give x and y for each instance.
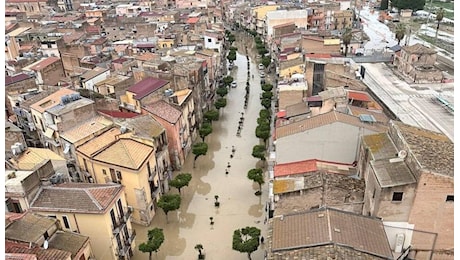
(239, 207)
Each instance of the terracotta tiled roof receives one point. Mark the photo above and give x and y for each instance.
(29, 228)
(92, 197)
(85, 129)
(45, 63)
(433, 151)
(146, 56)
(68, 241)
(377, 114)
(16, 78)
(293, 168)
(118, 114)
(358, 95)
(12, 249)
(318, 55)
(418, 48)
(325, 119)
(51, 100)
(193, 20)
(318, 228)
(32, 157)
(92, 146)
(164, 110)
(144, 126)
(73, 36)
(126, 153)
(146, 87)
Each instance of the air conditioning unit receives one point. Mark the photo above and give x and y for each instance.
(184, 144)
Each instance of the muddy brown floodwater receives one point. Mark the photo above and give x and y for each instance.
(239, 207)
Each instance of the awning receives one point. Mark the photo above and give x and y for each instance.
(49, 133)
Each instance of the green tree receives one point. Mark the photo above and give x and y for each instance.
(266, 61)
(199, 149)
(439, 16)
(258, 151)
(267, 103)
(227, 80)
(384, 5)
(231, 56)
(415, 5)
(263, 132)
(222, 91)
(263, 120)
(220, 103)
(257, 175)
(231, 38)
(205, 130)
(257, 40)
(400, 31)
(262, 51)
(180, 181)
(264, 113)
(199, 247)
(233, 48)
(155, 239)
(346, 39)
(267, 95)
(267, 87)
(211, 115)
(169, 202)
(246, 240)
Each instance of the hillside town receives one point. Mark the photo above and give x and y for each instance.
(195, 129)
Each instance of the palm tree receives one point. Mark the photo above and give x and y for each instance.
(400, 32)
(346, 39)
(439, 17)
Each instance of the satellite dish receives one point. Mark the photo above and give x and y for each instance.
(45, 244)
(402, 154)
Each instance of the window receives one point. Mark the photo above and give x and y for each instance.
(209, 40)
(450, 198)
(397, 196)
(48, 44)
(66, 222)
(119, 175)
(13, 206)
(104, 172)
(45, 235)
(52, 216)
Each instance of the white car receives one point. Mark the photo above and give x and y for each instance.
(233, 84)
(262, 75)
(261, 67)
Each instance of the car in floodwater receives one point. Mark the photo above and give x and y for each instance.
(233, 84)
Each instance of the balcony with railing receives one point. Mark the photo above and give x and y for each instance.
(131, 236)
(127, 212)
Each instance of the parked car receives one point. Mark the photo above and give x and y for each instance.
(233, 84)
(262, 75)
(261, 67)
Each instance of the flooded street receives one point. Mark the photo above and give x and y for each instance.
(239, 207)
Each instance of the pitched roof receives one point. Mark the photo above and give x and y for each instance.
(126, 153)
(164, 110)
(93, 73)
(193, 20)
(292, 168)
(92, 146)
(434, 151)
(51, 100)
(16, 78)
(32, 157)
(92, 197)
(146, 87)
(29, 228)
(322, 120)
(19, 249)
(68, 241)
(144, 126)
(358, 95)
(118, 114)
(419, 48)
(317, 228)
(85, 129)
(45, 63)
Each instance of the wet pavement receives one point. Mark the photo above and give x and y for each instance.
(239, 207)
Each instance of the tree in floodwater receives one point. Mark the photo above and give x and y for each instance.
(246, 240)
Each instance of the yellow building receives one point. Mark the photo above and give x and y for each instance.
(259, 14)
(114, 158)
(165, 43)
(98, 211)
(291, 67)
